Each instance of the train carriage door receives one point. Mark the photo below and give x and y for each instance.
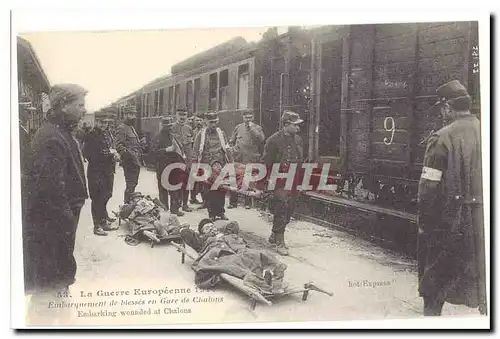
(331, 91)
(243, 81)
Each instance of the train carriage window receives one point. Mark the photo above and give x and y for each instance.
(160, 101)
(143, 107)
(243, 79)
(177, 100)
(156, 101)
(223, 86)
(212, 97)
(150, 105)
(196, 94)
(189, 96)
(170, 99)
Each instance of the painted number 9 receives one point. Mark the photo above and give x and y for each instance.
(389, 126)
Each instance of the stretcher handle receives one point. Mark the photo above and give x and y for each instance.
(182, 250)
(313, 287)
(239, 285)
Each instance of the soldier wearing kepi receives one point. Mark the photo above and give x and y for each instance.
(210, 147)
(285, 148)
(129, 147)
(101, 155)
(184, 134)
(451, 252)
(247, 141)
(166, 149)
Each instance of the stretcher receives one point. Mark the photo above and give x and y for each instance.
(153, 238)
(255, 295)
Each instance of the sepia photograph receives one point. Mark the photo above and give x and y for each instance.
(253, 174)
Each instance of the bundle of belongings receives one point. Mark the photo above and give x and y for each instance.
(144, 220)
(222, 250)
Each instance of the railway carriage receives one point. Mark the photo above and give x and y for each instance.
(365, 93)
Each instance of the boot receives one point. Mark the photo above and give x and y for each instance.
(280, 244)
(99, 231)
(222, 217)
(272, 238)
(109, 227)
(186, 208)
(179, 213)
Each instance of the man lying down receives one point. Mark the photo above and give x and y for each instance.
(219, 246)
(145, 220)
(222, 250)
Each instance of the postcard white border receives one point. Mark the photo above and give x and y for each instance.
(50, 19)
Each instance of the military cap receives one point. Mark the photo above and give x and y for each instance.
(167, 120)
(203, 222)
(450, 91)
(291, 117)
(181, 111)
(211, 116)
(247, 112)
(63, 93)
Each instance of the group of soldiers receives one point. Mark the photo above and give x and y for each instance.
(451, 251)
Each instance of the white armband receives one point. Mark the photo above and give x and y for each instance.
(431, 174)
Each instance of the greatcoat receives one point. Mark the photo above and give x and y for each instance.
(56, 191)
(451, 251)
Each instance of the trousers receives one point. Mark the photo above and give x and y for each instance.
(215, 203)
(131, 172)
(162, 192)
(99, 210)
(283, 208)
(233, 199)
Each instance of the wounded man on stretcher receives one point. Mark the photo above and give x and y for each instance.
(222, 250)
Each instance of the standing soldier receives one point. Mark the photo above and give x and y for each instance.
(184, 134)
(57, 191)
(285, 148)
(451, 251)
(211, 146)
(101, 156)
(247, 140)
(166, 149)
(198, 186)
(129, 147)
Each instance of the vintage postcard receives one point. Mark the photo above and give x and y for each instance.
(261, 174)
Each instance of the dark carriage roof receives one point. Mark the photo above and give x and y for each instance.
(221, 51)
(26, 54)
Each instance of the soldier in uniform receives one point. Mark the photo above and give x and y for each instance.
(247, 141)
(129, 147)
(198, 186)
(184, 134)
(166, 149)
(285, 148)
(451, 252)
(101, 155)
(57, 191)
(210, 147)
